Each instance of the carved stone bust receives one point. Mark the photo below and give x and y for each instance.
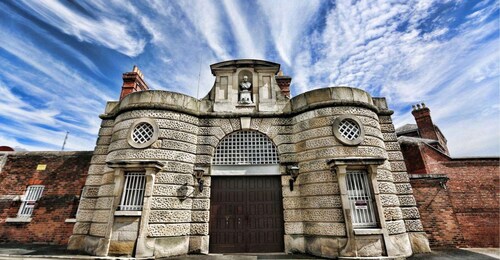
(245, 93)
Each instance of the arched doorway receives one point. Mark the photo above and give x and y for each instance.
(246, 208)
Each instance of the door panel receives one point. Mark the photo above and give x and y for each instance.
(246, 215)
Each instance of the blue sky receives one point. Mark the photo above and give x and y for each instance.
(61, 61)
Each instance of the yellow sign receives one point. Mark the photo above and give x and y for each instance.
(41, 167)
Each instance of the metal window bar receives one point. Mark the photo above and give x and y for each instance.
(245, 147)
(33, 193)
(360, 199)
(133, 191)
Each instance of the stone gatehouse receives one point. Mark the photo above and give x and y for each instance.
(247, 169)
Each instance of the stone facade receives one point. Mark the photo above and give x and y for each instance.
(175, 217)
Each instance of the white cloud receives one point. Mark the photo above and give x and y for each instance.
(113, 34)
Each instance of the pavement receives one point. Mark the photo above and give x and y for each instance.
(37, 251)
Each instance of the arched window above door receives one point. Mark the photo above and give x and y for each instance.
(245, 148)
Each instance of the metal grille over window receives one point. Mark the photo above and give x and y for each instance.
(245, 147)
(360, 199)
(33, 193)
(349, 129)
(142, 133)
(133, 191)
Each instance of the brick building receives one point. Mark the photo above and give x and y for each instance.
(39, 195)
(458, 198)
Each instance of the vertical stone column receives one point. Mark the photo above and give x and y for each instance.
(409, 215)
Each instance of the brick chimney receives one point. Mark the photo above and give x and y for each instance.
(426, 128)
(284, 83)
(132, 82)
(423, 118)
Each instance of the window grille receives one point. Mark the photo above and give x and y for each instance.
(245, 147)
(360, 198)
(349, 129)
(33, 193)
(133, 191)
(142, 133)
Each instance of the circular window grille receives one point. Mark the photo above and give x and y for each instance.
(349, 129)
(143, 133)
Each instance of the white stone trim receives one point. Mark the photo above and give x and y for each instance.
(245, 170)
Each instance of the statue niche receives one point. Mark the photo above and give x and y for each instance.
(245, 91)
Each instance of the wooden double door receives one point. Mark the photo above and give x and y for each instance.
(246, 215)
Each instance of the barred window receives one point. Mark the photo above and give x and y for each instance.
(33, 193)
(245, 148)
(348, 129)
(360, 199)
(143, 133)
(133, 191)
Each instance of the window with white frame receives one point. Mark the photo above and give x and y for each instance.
(33, 193)
(360, 198)
(133, 191)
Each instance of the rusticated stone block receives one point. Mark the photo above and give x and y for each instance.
(410, 213)
(93, 180)
(103, 140)
(315, 165)
(294, 228)
(101, 216)
(171, 190)
(389, 200)
(314, 177)
(392, 146)
(98, 229)
(323, 215)
(283, 139)
(201, 204)
(393, 213)
(395, 156)
(98, 159)
(387, 128)
(104, 203)
(318, 189)
(400, 177)
(384, 175)
(178, 136)
(107, 123)
(387, 187)
(106, 190)
(84, 215)
(199, 228)
(104, 131)
(404, 188)
(390, 137)
(171, 203)
(86, 203)
(174, 178)
(213, 131)
(179, 146)
(395, 227)
(407, 200)
(81, 228)
(177, 125)
(385, 119)
(398, 166)
(208, 140)
(200, 216)
(168, 230)
(414, 225)
(169, 216)
(178, 167)
(158, 154)
(325, 229)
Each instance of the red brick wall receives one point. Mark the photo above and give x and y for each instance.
(437, 214)
(472, 198)
(63, 179)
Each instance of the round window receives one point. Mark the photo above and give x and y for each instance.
(348, 130)
(143, 133)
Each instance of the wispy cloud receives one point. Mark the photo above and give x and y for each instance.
(110, 33)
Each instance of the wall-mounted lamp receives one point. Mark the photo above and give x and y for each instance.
(293, 170)
(198, 174)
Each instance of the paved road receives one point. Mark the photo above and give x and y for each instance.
(32, 252)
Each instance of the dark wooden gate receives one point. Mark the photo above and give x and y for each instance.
(246, 215)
